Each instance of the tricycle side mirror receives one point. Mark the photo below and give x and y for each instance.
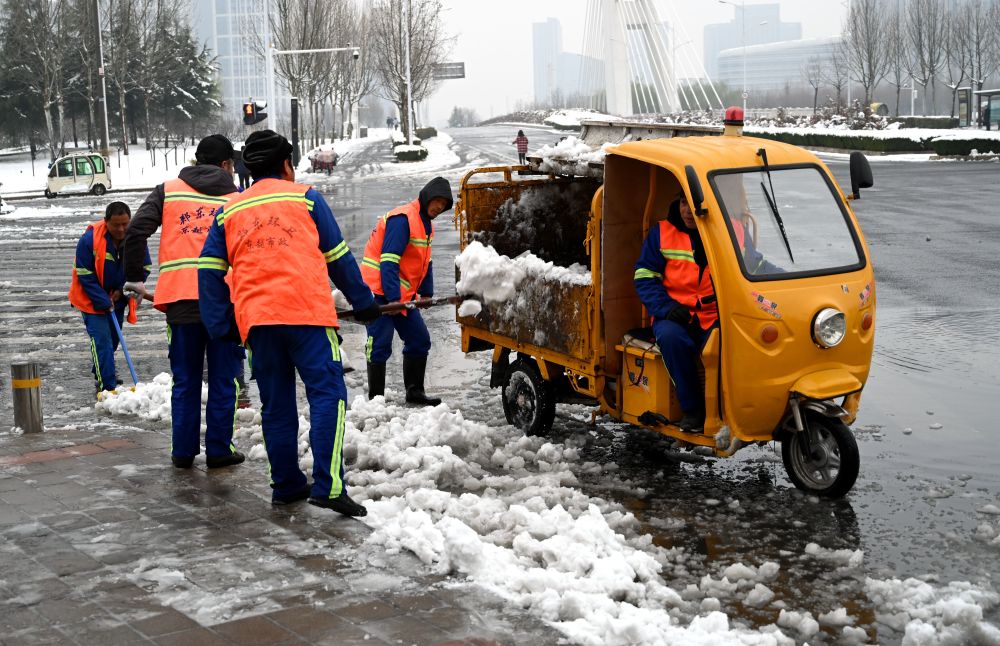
(694, 185)
(861, 174)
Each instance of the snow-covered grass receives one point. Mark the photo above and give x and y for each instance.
(507, 512)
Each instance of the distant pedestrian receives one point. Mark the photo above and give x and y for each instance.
(521, 142)
(241, 170)
(96, 290)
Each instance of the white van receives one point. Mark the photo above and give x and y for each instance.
(78, 173)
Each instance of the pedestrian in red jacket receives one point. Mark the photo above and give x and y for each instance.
(522, 146)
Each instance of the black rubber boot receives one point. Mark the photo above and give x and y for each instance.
(342, 504)
(301, 494)
(376, 380)
(413, 378)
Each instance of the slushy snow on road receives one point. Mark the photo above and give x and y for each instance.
(507, 512)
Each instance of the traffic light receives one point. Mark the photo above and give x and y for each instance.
(253, 112)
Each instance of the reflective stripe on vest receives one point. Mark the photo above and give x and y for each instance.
(77, 294)
(187, 217)
(683, 279)
(413, 262)
(279, 274)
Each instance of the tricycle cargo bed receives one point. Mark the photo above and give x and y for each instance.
(547, 217)
(546, 314)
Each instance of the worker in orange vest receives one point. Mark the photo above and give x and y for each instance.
(397, 267)
(96, 289)
(284, 246)
(183, 209)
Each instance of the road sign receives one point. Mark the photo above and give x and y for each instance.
(445, 71)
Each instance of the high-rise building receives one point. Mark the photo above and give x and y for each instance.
(760, 24)
(227, 28)
(775, 66)
(546, 42)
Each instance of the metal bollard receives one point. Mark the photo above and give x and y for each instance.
(27, 390)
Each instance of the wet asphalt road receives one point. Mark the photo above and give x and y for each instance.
(935, 239)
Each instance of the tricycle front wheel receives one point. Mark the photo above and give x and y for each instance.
(528, 401)
(829, 466)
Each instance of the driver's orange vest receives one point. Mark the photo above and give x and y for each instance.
(684, 280)
(187, 216)
(77, 294)
(413, 263)
(279, 275)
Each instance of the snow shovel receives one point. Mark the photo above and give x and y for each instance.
(128, 357)
(418, 304)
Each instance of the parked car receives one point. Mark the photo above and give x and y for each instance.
(78, 173)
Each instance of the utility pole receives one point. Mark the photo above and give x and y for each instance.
(409, 83)
(105, 151)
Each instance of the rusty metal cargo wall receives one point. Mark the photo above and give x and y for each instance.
(513, 217)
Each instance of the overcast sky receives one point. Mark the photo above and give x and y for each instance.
(493, 39)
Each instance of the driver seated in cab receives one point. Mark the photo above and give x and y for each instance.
(674, 283)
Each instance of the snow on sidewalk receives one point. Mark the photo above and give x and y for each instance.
(507, 512)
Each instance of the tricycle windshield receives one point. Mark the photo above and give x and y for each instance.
(787, 223)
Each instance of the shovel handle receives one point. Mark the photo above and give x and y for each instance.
(418, 304)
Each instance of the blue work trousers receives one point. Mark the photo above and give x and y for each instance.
(412, 330)
(103, 343)
(681, 349)
(275, 353)
(189, 346)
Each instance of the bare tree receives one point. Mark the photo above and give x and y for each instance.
(812, 71)
(955, 53)
(867, 53)
(897, 52)
(834, 72)
(979, 24)
(428, 47)
(38, 60)
(925, 31)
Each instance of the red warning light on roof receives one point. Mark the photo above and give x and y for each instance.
(734, 116)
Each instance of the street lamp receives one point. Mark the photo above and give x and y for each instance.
(743, 32)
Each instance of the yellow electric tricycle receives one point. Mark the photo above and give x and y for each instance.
(793, 346)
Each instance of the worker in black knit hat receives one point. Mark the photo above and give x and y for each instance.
(283, 245)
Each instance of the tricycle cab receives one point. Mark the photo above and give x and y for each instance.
(775, 272)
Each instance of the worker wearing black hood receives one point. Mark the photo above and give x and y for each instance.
(397, 267)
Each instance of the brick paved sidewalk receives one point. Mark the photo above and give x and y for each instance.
(105, 543)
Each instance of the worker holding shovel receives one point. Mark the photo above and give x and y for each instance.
(96, 289)
(397, 267)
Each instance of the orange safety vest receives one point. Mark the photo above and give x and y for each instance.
(279, 274)
(413, 263)
(680, 277)
(187, 216)
(77, 294)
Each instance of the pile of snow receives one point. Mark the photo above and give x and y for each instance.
(570, 119)
(148, 400)
(929, 615)
(496, 278)
(571, 157)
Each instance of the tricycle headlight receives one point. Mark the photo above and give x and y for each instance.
(829, 327)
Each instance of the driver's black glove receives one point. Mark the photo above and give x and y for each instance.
(368, 315)
(679, 314)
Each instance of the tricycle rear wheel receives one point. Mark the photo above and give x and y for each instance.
(830, 467)
(528, 401)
